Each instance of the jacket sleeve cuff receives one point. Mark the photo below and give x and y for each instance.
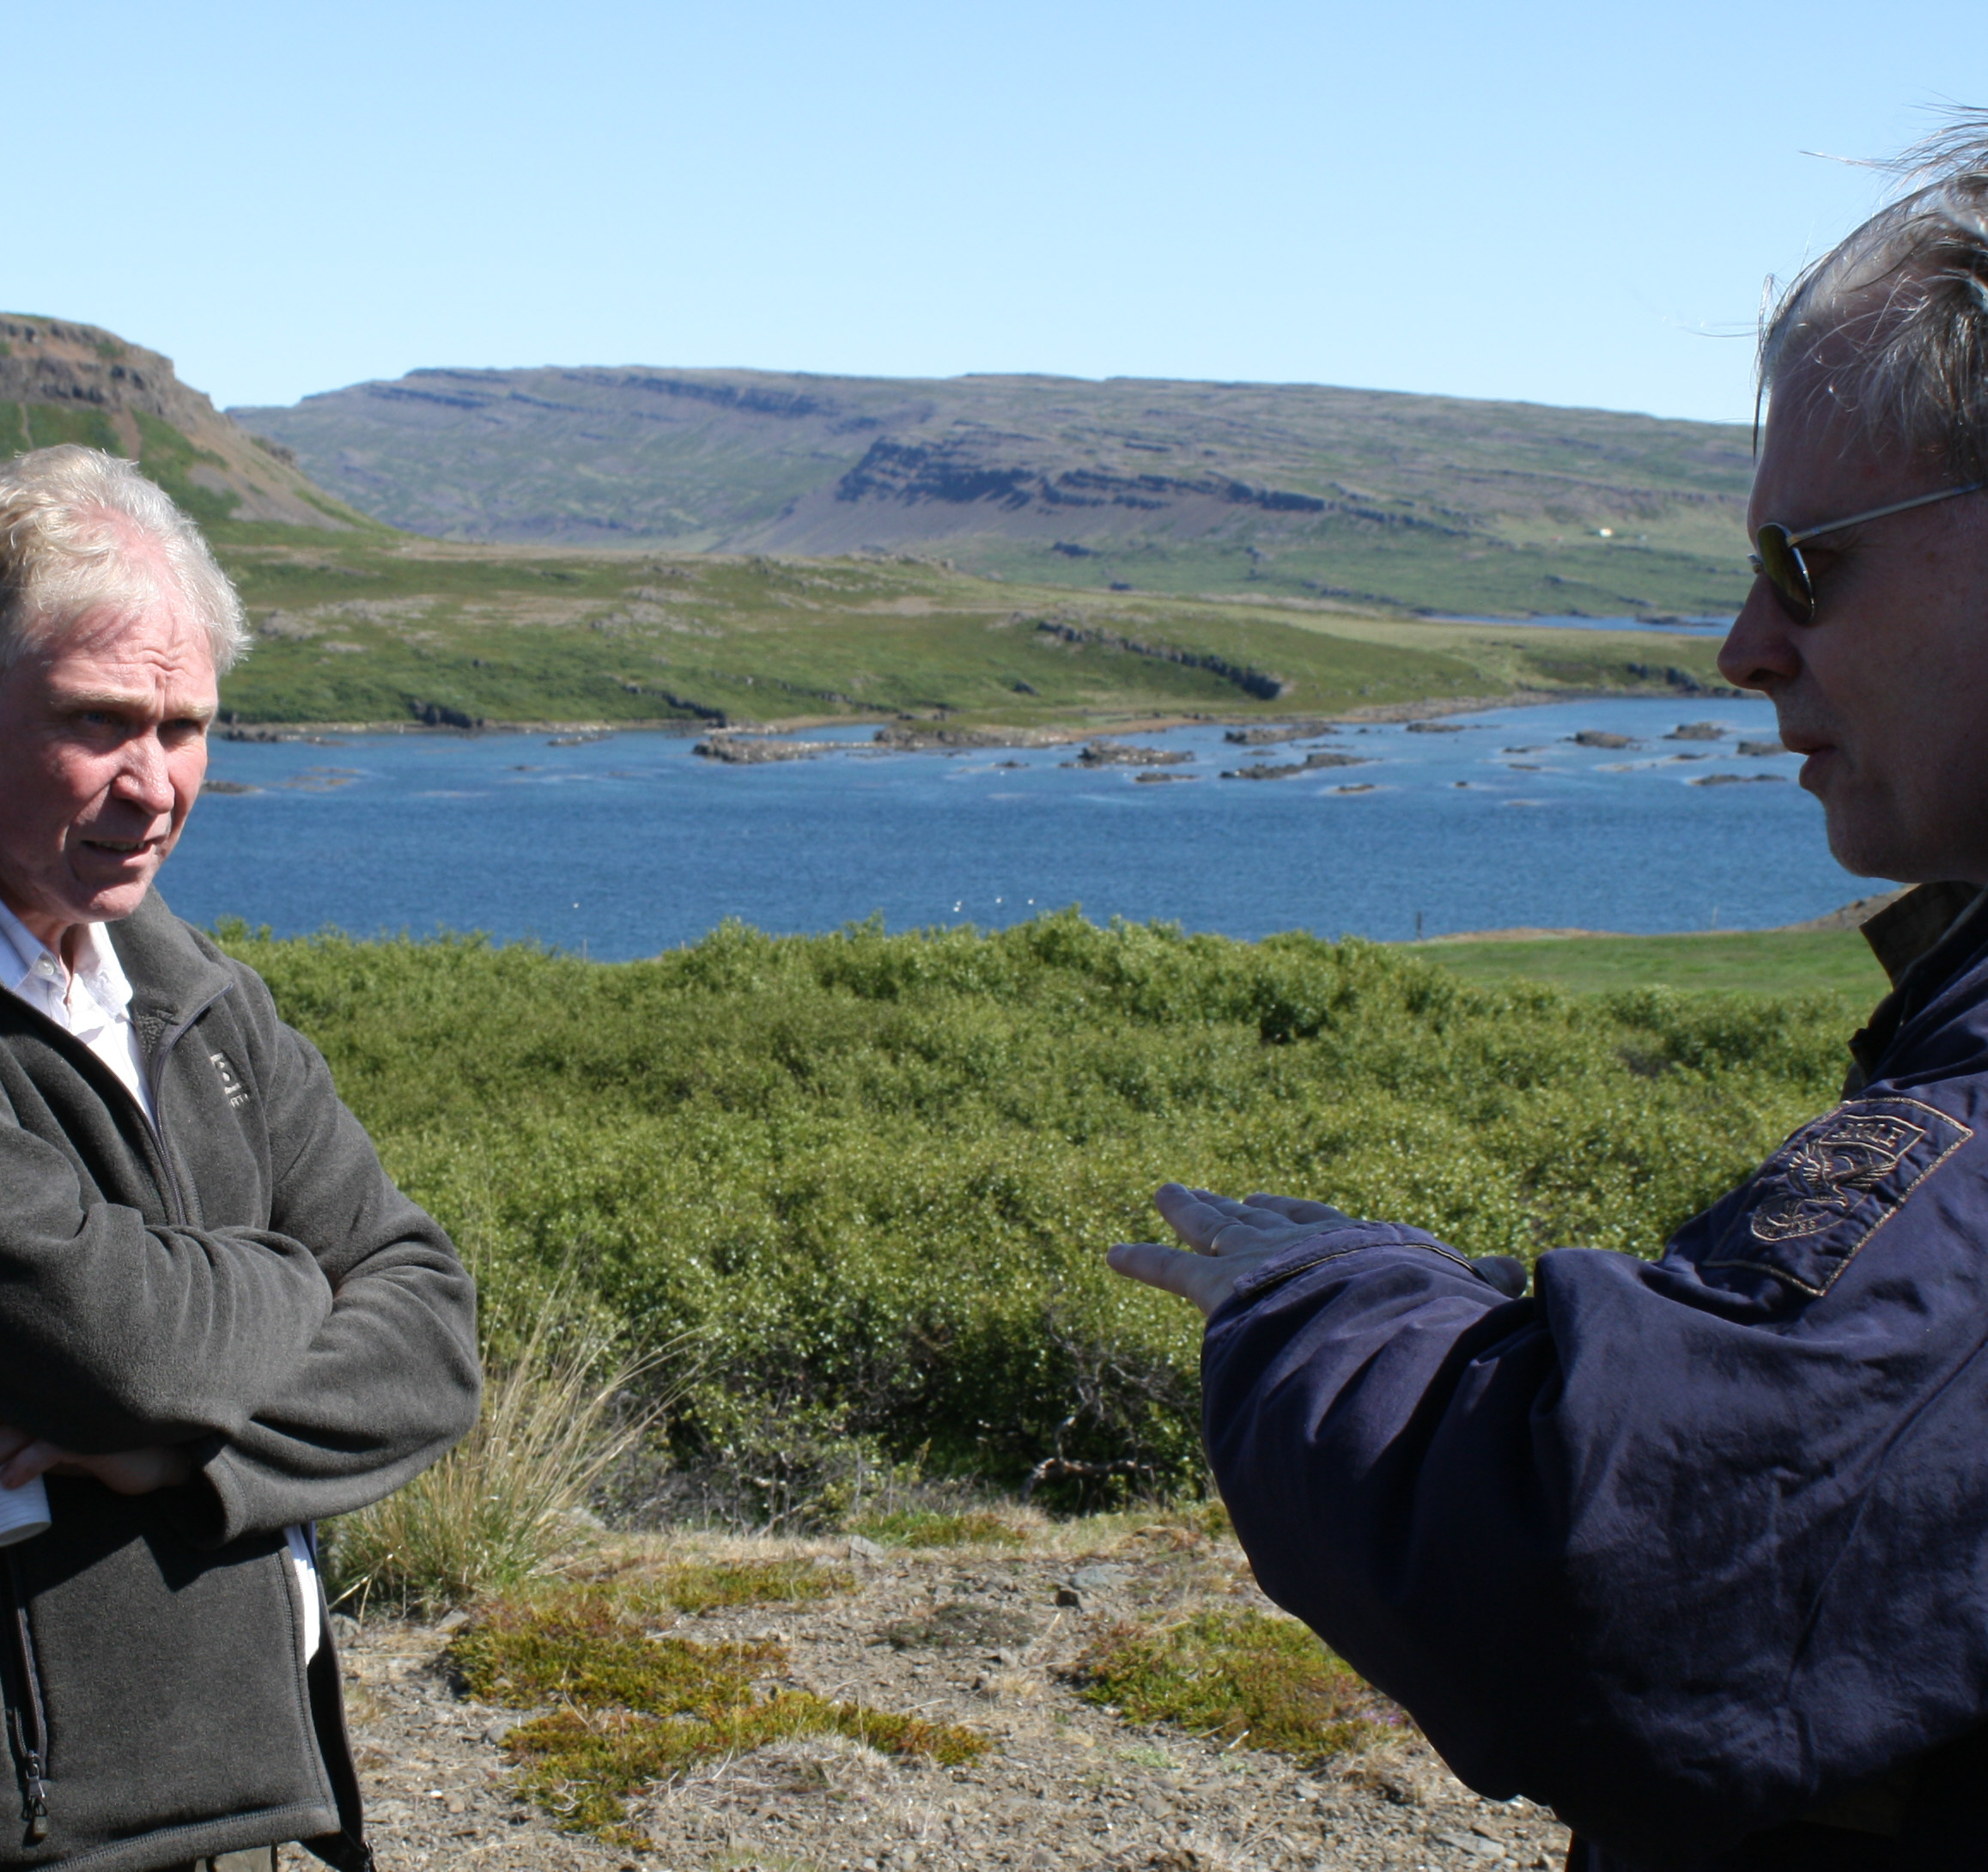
(1333, 1243)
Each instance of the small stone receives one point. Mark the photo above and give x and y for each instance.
(455, 1803)
(1483, 1849)
(453, 1621)
(862, 1549)
(1096, 1578)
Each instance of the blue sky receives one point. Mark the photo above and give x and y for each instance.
(1563, 203)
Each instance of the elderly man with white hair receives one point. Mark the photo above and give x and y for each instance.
(1696, 1550)
(219, 1320)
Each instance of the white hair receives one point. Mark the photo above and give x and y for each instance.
(70, 518)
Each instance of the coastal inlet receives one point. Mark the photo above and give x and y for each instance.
(1635, 815)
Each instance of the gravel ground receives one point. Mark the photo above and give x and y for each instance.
(1068, 1784)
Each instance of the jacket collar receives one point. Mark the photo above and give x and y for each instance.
(173, 973)
(1923, 940)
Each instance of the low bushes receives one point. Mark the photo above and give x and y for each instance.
(867, 1180)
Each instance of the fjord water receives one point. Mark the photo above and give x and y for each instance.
(628, 845)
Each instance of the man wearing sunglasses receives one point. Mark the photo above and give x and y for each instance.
(1696, 1551)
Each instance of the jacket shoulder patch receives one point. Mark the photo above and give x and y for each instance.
(1834, 1185)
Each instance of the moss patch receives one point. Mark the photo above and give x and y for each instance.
(709, 1585)
(1238, 1675)
(582, 1766)
(585, 1648)
(926, 1527)
(639, 1706)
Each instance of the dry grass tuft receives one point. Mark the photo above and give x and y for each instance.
(1238, 1675)
(502, 1505)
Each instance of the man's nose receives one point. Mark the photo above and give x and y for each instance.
(1760, 649)
(144, 780)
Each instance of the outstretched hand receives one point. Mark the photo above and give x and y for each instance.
(124, 1472)
(1226, 1239)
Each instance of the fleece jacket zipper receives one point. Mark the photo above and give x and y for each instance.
(27, 1721)
(26, 1718)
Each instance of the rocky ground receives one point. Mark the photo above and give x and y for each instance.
(975, 1636)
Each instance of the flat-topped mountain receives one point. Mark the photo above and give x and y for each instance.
(65, 382)
(1428, 503)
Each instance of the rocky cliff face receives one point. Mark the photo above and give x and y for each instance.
(1431, 503)
(62, 382)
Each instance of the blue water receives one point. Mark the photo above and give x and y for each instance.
(630, 845)
(1692, 626)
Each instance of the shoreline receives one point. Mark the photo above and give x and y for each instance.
(1102, 725)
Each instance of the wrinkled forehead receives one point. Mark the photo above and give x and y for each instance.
(143, 643)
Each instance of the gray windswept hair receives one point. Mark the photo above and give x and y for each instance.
(67, 519)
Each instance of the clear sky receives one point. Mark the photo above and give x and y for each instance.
(1565, 204)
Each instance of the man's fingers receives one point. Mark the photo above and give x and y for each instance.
(1296, 1209)
(1194, 1277)
(28, 1462)
(1197, 1216)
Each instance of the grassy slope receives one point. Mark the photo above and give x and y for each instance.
(368, 627)
(1768, 962)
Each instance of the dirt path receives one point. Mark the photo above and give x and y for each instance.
(1067, 1783)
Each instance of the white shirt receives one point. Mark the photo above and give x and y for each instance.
(94, 1004)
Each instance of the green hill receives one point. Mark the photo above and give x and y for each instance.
(1421, 503)
(65, 382)
(356, 622)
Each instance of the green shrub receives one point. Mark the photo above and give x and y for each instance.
(872, 1176)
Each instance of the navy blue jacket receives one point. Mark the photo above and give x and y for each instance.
(1694, 1551)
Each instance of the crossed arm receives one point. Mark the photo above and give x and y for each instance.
(294, 1370)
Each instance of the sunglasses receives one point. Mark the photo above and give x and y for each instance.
(1779, 560)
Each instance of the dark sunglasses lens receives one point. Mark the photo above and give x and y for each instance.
(1781, 565)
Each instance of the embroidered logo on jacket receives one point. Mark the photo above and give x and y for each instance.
(230, 1079)
(1823, 1172)
(1833, 1184)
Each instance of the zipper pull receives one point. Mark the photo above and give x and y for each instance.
(36, 1811)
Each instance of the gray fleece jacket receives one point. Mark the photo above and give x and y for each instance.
(244, 1280)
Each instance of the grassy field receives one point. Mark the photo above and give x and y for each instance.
(1757, 962)
(867, 1180)
(366, 627)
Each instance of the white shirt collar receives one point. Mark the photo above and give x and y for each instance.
(30, 969)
